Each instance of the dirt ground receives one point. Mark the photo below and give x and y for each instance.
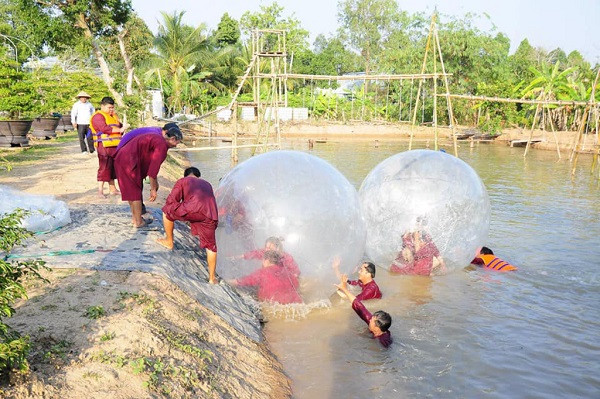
(124, 334)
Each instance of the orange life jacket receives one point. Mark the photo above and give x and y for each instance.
(497, 264)
(107, 140)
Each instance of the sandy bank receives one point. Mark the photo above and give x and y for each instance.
(123, 317)
(360, 131)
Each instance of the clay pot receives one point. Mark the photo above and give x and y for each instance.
(65, 123)
(44, 127)
(14, 133)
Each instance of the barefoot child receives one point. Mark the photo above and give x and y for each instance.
(192, 200)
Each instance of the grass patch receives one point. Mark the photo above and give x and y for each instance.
(58, 351)
(94, 312)
(107, 336)
(37, 151)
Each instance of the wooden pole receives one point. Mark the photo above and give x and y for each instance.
(537, 109)
(448, 100)
(414, 119)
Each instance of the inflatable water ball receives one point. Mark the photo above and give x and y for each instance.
(429, 193)
(299, 198)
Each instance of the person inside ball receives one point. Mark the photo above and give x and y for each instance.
(272, 280)
(419, 254)
(379, 322)
(274, 243)
(366, 280)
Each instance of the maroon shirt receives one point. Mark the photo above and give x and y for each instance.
(192, 199)
(384, 339)
(274, 284)
(141, 157)
(369, 290)
(286, 260)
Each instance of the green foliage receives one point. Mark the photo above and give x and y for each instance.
(13, 349)
(94, 312)
(16, 91)
(271, 17)
(228, 31)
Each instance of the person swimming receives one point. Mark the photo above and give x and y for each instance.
(485, 258)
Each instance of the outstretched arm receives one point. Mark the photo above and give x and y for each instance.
(336, 267)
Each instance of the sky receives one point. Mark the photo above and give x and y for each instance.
(570, 25)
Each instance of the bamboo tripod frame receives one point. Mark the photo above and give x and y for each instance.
(434, 37)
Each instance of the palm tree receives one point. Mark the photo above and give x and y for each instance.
(550, 83)
(183, 60)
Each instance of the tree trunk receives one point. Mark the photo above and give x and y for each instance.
(127, 61)
(81, 22)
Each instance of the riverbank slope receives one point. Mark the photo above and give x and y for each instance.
(122, 317)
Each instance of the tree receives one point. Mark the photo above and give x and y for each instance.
(332, 58)
(366, 25)
(183, 58)
(270, 17)
(95, 19)
(228, 31)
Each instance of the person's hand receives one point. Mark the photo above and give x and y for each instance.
(336, 263)
(74, 125)
(153, 194)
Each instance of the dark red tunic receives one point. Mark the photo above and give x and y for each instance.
(287, 261)
(423, 258)
(384, 339)
(192, 200)
(106, 155)
(369, 290)
(274, 285)
(140, 157)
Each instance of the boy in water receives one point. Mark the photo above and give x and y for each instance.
(485, 258)
(378, 322)
(366, 276)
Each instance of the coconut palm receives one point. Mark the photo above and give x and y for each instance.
(182, 62)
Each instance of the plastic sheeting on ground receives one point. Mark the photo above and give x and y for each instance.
(46, 213)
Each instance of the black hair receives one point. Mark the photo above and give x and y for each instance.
(277, 241)
(169, 126)
(191, 171)
(107, 100)
(175, 132)
(383, 320)
(370, 267)
(486, 251)
(273, 257)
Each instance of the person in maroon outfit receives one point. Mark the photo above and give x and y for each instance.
(379, 322)
(192, 200)
(275, 244)
(142, 156)
(366, 275)
(273, 281)
(106, 153)
(419, 256)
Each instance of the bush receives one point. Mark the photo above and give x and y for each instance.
(13, 348)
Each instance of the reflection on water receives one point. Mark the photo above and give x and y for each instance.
(473, 333)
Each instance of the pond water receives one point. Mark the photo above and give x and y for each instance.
(472, 333)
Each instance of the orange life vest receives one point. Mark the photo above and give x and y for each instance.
(107, 140)
(497, 264)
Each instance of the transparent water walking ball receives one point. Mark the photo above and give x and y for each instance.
(298, 197)
(430, 192)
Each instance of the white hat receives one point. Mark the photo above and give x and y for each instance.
(83, 94)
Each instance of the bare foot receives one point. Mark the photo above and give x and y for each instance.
(116, 192)
(213, 282)
(101, 195)
(165, 243)
(139, 226)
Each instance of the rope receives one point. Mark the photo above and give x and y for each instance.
(57, 253)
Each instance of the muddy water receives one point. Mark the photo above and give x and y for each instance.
(534, 333)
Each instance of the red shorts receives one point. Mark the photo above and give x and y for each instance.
(202, 227)
(106, 163)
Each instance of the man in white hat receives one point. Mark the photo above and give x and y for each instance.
(81, 113)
